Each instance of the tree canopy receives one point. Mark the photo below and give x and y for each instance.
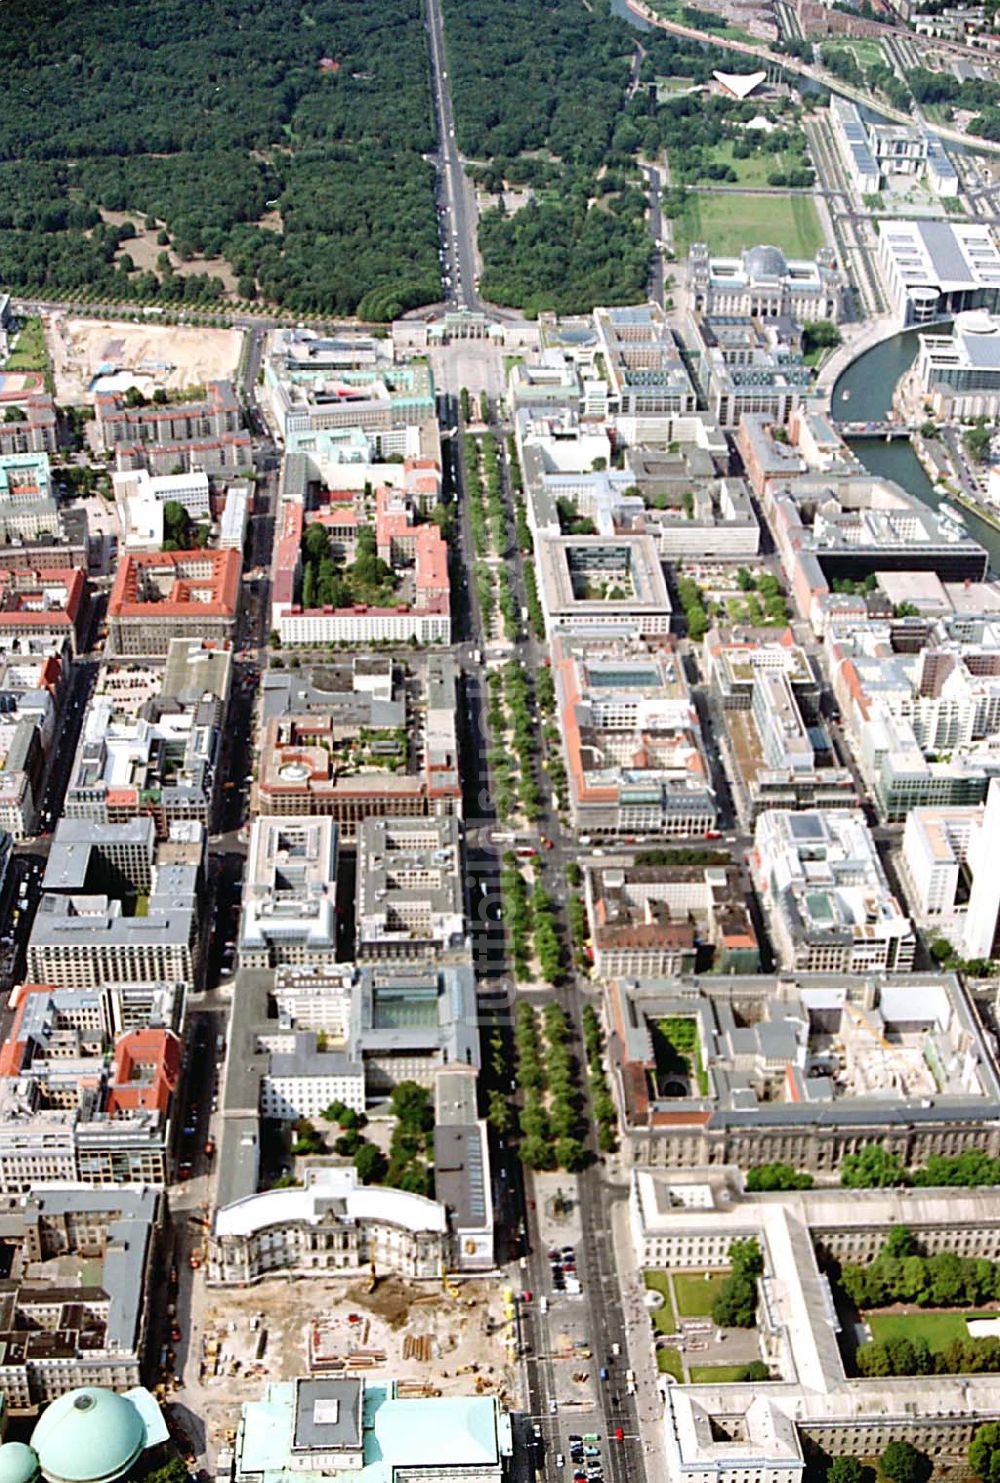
(207, 118)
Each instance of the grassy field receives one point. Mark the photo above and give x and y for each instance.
(715, 1374)
(30, 353)
(663, 1318)
(729, 222)
(674, 10)
(866, 53)
(669, 1362)
(696, 1293)
(938, 1329)
(754, 170)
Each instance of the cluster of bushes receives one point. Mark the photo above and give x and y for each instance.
(474, 494)
(501, 762)
(765, 1177)
(517, 913)
(901, 1274)
(409, 1165)
(494, 493)
(550, 1118)
(536, 617)
(693, 603)
(482, 585)
(547, 942)
(601, 1101)
(767, 587)
(875, 1167)
(497, 1107)
(735, 1305)
(545, 697)
(517, 694)
(326, 582)
(180, 532)
(902, 1356)
(984, 1452)
(522, 531)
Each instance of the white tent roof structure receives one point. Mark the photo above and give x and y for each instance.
(740, 84)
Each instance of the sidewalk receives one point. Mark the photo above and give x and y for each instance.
(641, 1358)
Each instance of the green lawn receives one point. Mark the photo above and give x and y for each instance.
(729, 222)
(696, 1293)
(674, 10)
(663, 1318)
(30, 353)
(669, 1362)
(715, 1374)
(866, 53)
(754, 170)
(938, 1329)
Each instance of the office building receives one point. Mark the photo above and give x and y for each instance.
(801, 1069)
(813, 1405)
(948, 869)
(959, 372)
(289, 907)
(342, 741)
(635, 760)
(748, 365)
(645, 371)
(597, 583)
(46, 605)
(934, 269)
(829, 904)
(346, 1428)
(662, 920)
(162, 595)
(78, 1269)
(410, 890)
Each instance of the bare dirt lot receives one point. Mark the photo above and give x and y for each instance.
(170, 356)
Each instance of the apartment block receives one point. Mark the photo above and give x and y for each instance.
(79, 1265)
(199, 436)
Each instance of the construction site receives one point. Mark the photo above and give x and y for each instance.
(89, 355)
(440, 1339)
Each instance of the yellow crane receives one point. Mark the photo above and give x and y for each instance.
(867, 1025)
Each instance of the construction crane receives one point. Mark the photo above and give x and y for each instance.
(448, 1287)
(372, 1279)
(867, 1025)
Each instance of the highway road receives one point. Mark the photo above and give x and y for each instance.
(455, 208)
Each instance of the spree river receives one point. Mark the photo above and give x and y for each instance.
(864, 394)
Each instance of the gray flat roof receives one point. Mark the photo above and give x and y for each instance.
(327, 1414)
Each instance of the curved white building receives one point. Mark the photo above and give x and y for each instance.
(332, 1224)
